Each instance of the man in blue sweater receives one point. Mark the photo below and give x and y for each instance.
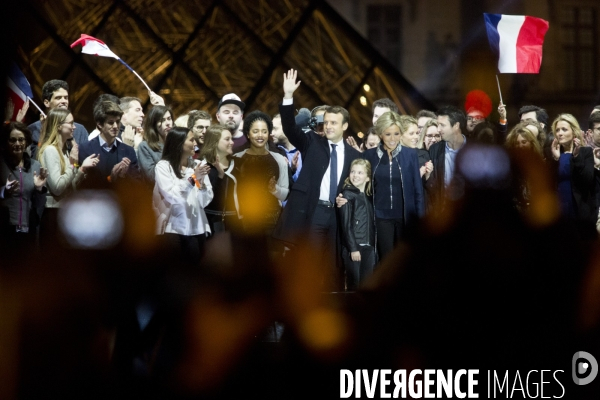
(55, 94)
(117, 160)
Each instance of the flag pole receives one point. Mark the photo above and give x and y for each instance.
(135, 73)
(499, 91)
(36, 106)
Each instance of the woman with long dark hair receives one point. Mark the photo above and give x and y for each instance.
(157, 125)
(181, 192)
(22, 187)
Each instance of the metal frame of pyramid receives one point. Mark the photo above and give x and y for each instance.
(193, 52)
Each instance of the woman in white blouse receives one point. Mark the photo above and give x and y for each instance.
(59, 155)
(181, 192)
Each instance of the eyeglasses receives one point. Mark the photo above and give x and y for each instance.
(201, 127)
(14, 140)
(473, 119)
(433, 136)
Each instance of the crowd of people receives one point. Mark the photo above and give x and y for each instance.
(257, 218)
(284, 177)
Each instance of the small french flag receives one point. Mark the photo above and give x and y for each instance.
(96, 47)
(19, 88)
(93, 46)
(517, 41)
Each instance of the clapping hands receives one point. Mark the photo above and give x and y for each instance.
(120, 169)
(40, 180)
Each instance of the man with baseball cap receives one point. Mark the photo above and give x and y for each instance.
(230, 113)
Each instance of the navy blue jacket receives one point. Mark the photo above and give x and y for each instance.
(123, 150)
(407, 160)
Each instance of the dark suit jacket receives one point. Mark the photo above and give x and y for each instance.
(304, 195)
(104, 167)
(583, 185)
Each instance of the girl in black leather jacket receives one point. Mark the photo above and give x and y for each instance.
(358, 224)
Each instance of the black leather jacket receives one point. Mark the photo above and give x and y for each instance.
(356, 218)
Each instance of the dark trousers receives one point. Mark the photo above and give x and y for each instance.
(49, 232)
(17, 243)
(389, 232)
(192, 247)
(356, 271)
(323, 238)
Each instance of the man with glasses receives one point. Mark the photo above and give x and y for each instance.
(198, 122)
(474, 118)
(55, 94)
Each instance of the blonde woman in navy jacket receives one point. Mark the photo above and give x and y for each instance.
(397, 186)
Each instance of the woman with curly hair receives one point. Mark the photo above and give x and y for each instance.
(262, 176)
(521, 137)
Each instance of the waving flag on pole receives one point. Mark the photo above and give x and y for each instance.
(19, 89)
(517, 41)
(91, 45)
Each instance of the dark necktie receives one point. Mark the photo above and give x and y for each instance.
(333, 174)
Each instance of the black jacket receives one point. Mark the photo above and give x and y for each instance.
(583, 185)
(356, 219)
(434, 186)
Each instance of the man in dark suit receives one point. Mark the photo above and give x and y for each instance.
(326, 164)
(117, 160)
(452, 123)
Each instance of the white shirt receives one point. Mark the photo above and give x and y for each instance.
(325, 182)
(179, 206)
(104, 145)
(95, 133)
(450, 161)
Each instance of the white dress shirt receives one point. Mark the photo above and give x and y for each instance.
(325, 182)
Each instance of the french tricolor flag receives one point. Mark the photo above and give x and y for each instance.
(19, 88)
(93, 46)
(517, 41)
